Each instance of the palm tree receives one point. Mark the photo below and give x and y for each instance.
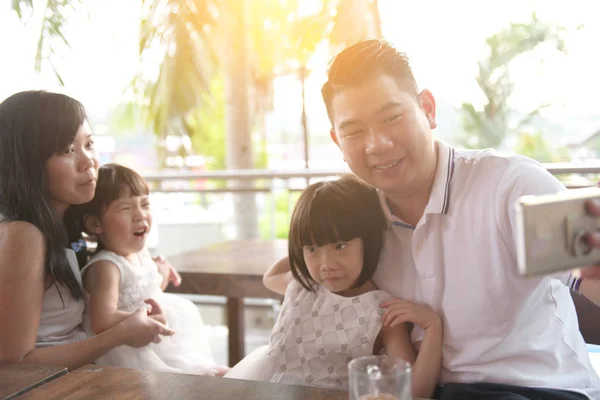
(184, 44)
(284, 36)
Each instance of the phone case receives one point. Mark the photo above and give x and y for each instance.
(550, 232)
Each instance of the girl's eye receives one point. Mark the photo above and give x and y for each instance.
(68, 150)
(310, 249)
(340, 246)
(90, 144)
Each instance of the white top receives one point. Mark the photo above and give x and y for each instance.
(316, 335)
(61, 318)
(187, 351)
(460, 259)
(137, 283)
(314, 338)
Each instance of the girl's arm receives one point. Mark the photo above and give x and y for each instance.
(22, 287)
(426, 365)
(101, 281)
(278, 276)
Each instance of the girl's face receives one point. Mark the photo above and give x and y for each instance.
(336, 266)
(72, 173)
(124, 225)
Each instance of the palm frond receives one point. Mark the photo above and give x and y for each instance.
(175, 45)
(54, 17)
(17, 6)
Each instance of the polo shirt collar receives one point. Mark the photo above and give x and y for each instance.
(439, 200)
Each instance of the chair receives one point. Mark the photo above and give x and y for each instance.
(588, 315)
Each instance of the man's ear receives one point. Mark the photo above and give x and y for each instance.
(92, 224)
(334, 137)
(429, 107)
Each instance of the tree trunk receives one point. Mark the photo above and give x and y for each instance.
(375, 19)
(304, 122)
(237, 124)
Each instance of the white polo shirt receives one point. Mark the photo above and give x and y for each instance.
(460, 259)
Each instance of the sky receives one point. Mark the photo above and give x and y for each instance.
(444, 39)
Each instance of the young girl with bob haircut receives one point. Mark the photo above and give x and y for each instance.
(331, 311)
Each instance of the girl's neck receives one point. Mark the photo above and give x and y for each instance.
(368, 286)
(133, 258)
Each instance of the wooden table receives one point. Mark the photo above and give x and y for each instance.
(16, 379)
(232, 269)
(91, 383)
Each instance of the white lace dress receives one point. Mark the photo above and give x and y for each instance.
(187, 351)
(314, 338)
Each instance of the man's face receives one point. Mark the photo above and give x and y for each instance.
(384, 133)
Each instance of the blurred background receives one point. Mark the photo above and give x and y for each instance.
(217, 102)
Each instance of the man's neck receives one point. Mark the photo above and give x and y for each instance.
(410, 208)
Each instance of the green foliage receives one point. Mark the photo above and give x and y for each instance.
(178, 32)
(284, 205)
(207, 127)
(179, 92)
(488, 127)
(533, 145)
(54, 18)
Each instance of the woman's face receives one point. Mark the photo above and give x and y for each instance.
(72, 173)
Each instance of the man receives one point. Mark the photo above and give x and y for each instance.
(450, 242)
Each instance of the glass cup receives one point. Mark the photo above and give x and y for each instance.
(379, 378)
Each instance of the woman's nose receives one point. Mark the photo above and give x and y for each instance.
(88, 160)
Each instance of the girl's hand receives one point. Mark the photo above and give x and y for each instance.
(168, 272)
(156, 312)
(140, 330)
(221, 370)
(400, 311)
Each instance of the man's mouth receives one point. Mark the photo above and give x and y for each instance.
(387, 165)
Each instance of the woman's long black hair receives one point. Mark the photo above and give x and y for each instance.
(34, 125)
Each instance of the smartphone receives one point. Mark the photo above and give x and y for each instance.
(550, 232)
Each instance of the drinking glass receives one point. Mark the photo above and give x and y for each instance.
(379, 378)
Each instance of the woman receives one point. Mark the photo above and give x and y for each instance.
(48, 163)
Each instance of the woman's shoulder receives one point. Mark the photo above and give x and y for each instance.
(20, 230)
(20, 236)
(22, 248)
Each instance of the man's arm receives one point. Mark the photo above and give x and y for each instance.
(522, 177)
(530, 178)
